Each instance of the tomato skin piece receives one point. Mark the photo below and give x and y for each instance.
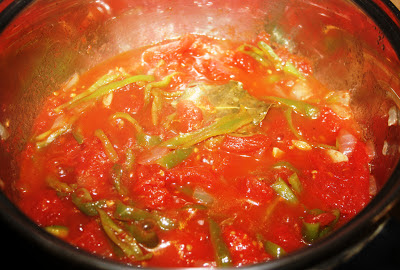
(245, 144)
(244, 248)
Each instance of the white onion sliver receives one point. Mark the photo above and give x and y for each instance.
(71, 81)
(346, 142)
(151, 156)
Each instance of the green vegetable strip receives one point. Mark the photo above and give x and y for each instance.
(288, 116)
(129, 160)
(145, 140)
(111, 87)
(116, 176)
(255, 53)
(283, 190)
(57, 185)
(105, 79)
(130, 119)
(124, 212)
(175, 157)
(160, 84)
(285, 164)
(156, 107)
(147, 238)
(82, 199)
(78, 136)
(57, 230)
(51, 135)
(274, 249)
(221, 251)
(299, 106)
(310, 231)
(110, 151)
(294, 181)
(223, 125)
(121, 238)
(287, 68)
(271, 248)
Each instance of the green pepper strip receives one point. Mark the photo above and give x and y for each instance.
(255, 53)
(111, 87)
(147, 140)
(130, 119)
(299, 106)
(82, 199)
(147, 238)
(175, 157)
(294, 181)
(116, 176)
(288, 116)
(221, 251)
(274, 249)
(156, 107)
(288, 68)
(78, 136)
(285, 164)
(310, 231)
(121, 238)
(124, 212)
(57, 230)
(271, 248)
(57, 185)
(283, 190)
(142, 138)
(49, 136)
(223, 125)
(105, 79)
(129, 160)
(110, 151)
(160, 84)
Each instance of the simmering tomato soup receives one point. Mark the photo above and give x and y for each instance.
(195, 152)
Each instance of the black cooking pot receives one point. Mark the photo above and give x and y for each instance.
(44, 42)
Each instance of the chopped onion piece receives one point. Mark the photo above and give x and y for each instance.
(301, 91)
(337, 156)
(346, 142)
(370, 148)
(277, 153)
(341, 111)
(339, 97)
(372, 186)
(301, 145)
(4, 134)
(393, 116)
(107, 99)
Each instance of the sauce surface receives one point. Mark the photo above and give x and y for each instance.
(195, 152)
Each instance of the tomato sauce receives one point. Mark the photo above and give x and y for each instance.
(195, 152)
